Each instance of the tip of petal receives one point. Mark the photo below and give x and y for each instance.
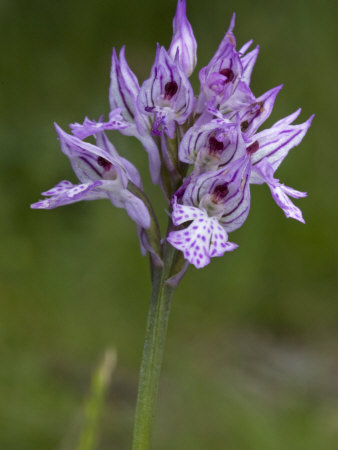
(310, 119)
(181, 8)
(277, 89)
(42, 204)
(232, 22)
(59, 130)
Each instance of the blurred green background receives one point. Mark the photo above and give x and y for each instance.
(252, 354)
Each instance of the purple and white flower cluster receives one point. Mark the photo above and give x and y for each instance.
(205, 151)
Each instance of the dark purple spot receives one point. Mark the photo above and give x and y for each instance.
(244, 125)
(200, 255)
(215, 146)
(220, 192)
(198, 262)
(228, 73)
(203, 238)
(252, 148)
(187, 239)
(170, 90)
(104, 163)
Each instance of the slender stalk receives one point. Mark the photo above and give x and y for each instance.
(152, 357)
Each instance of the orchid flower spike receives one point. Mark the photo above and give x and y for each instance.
(204, 151)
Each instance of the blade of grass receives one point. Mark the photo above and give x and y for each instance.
(95, 401)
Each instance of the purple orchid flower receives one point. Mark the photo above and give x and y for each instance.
(218, 135)
(224, 79)
(202, 239)
(212, 145)
(205, 153)
(167, 95)
(268, 149)
(123, 92)
(216, 203)
(183, 41)
(102, 173)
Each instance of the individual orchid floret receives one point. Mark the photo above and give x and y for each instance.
(224, 193)
(212, 145)
(102, 173)
(219, 79)
(254, 114)
(280, 193)
(123, 92)
(275, 143)
(268, 149)
(167, 95)
(183, 41)
(217, 203)
(90, 127)
(202, 239)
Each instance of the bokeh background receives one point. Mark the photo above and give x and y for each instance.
(252, 354)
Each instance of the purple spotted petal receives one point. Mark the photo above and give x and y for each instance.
(90, 127)
(183, 40)
(65, 193)
(202, 239)
(183, 213)
(61, 187)
(219, 243)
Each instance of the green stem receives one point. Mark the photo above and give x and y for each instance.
(152, 357)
